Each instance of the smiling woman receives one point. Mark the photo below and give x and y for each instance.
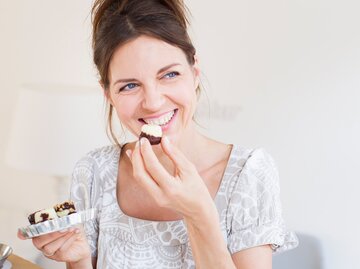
(135, 19)
(151, 81)
(189, 201)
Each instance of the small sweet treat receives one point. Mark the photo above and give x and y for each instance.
(42, 215)
(31, 217)
(65, 208)
(152, 132)
(58, 211)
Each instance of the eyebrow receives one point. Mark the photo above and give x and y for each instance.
(125, 80)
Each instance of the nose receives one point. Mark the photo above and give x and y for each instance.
(153, 98)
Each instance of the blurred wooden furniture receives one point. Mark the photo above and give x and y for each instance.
(20, 263)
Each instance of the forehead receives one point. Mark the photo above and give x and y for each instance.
(144, 54)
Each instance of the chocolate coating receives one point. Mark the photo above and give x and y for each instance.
(31, 218)
(66, 208)
(59, 210)
(44, 217)
(154, 140)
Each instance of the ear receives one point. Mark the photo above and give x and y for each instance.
(106, 93)
(196, 70)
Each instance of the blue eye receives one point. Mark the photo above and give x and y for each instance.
(128, 87)
(171, 74)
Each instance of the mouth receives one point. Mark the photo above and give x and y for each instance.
(161, 120)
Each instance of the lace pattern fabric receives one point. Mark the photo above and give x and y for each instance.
(247, 201)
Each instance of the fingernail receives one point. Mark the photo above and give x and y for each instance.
(64, 231)
(71, 229)
(137, 144)
(77, 231)
(128, 153)
(142, 141)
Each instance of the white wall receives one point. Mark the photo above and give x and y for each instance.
(293, 68)
(282, 75)
(42, 42)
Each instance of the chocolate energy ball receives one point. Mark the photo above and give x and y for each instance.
(42, 215)
(152, 132)
(58, 211)
(65, 208)
(31, 217)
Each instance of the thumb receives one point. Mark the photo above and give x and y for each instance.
(20, 235)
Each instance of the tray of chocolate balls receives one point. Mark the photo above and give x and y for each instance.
(57, 218)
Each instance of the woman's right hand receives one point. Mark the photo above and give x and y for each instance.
(69, 246)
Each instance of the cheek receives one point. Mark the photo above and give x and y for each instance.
(125, 113)
(189, 96)
(185, 93)
(124, 109)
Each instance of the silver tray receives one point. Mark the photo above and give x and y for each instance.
(58, 224)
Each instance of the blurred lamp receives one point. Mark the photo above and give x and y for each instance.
(53, 127)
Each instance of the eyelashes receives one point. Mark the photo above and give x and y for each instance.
(172, 74)
(131, 86)
(128, 87)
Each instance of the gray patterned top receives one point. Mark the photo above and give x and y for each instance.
(247, 201)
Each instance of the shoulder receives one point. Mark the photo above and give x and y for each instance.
(252, 155)
(262, 167)
(99, 156)
(95, 161)
(261, 161)
(92, 171)
(257, 162)
(258, 178)
(103, 154)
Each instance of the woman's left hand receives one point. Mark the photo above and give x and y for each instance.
(185, 191)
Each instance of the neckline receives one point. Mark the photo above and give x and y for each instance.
(135, 219)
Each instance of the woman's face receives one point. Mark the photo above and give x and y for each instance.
(152, 82)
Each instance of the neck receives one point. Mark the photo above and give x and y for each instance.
(194, 146)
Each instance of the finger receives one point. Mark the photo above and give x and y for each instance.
(153, 165)
(52, 247)
(182, 164)
(140, 173)
(20, 235)
(70, 241)
(129, 153)
(42, 240)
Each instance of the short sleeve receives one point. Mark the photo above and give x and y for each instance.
(255, 209)
(85, 195)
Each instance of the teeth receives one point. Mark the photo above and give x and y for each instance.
(162, 120)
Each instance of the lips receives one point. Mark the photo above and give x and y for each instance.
(161, 120)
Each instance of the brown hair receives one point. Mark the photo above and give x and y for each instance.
(116, 22)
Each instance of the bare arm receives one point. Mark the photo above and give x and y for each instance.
(257, 257)
(207, 242)
(86, 264)
(210, 251)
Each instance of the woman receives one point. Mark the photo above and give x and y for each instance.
(188, 202)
